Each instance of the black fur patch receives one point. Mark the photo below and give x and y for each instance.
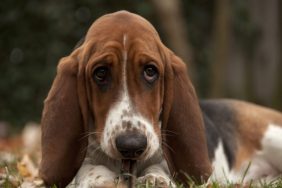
(220, 123)
(212, 136)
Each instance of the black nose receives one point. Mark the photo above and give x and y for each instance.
(131, 144)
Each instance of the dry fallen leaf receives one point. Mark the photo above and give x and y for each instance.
(26, 167)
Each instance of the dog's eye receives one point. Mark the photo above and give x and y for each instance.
(150, 73)
(101, 75)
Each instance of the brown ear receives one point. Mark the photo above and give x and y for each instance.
(187, 153)
(64, 125)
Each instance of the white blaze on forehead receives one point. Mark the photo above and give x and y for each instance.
(124, 63)
(122, 111)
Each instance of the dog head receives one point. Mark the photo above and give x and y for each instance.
(136, 93)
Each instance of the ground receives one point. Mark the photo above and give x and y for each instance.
(20, 157)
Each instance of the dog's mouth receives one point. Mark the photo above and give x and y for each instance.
(128, 171)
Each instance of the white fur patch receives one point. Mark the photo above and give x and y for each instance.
(265, 165)
(157, 175)
(123, 112)
(220, 164)
(94, 176)
(272, 146)
(124, 54)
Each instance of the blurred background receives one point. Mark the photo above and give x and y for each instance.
(232, 47)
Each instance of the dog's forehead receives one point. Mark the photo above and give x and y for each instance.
(115, 25)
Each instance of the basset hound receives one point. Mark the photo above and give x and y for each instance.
(123, 95)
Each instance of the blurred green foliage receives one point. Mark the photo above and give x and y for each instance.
(34, 35)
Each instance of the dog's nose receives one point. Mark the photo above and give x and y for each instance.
(131, 144)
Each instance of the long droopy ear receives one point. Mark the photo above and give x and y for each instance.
(64, 123)
(187, 154)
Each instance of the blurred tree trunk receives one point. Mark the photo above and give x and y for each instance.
(221, 47)
(278, 99)
(236, 71)
(265, 62)
(175, 30)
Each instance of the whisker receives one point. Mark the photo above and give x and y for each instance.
(89, 145)
(166, 145)
(165, 156)
(89, 134)
(96, 153)
(108, 159)
(168, 131)
(94, 133)
(166, 134)
(97, 150)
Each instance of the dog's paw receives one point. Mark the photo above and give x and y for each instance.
(155, 180)
(97, 182)
(95, 177)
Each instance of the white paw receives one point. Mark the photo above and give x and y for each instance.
(155, 180)
(95, 177)
(96, 182)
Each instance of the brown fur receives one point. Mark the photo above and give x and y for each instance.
(189, 156)
(253, 121)
(74, 98)
(63, 124)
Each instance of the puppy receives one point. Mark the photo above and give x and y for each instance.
(122, 95)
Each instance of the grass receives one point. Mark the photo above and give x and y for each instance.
(274, 184)
(11, 177)
(13, 180)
